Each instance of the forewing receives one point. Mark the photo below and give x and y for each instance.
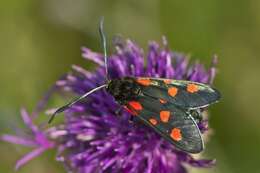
(185, 94)
(172, 123)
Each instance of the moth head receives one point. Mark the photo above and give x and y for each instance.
(123, 89)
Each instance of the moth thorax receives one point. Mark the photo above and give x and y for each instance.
(123, 90)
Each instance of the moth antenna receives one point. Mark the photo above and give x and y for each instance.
(65, 107)
(104, 44)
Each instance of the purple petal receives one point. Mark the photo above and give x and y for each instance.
(93, 56)
(28, 121)
(29, 157)
(212, 70)
(42, 103)
(18, 140)
(81, 70)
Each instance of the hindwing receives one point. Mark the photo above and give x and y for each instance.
(172, 123)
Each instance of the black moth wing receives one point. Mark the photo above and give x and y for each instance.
(191, 140)
(159, 88)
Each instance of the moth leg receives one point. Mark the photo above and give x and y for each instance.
(118, 111)
(131, 119)
(197, 115)
(135, 121)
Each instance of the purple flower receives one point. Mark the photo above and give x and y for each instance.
(38, 140)
(93, 138)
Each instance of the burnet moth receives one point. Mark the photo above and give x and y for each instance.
(170, 107)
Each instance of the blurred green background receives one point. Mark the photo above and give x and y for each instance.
(39, 40)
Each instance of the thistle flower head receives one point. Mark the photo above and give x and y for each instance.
(93, 138)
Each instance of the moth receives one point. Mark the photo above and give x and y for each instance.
(169, 107)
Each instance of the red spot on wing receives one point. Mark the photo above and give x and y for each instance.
(192, 88)
(153, 121)
(172, 91)
(176, 134)
(167, 81)
(144, 82)
(130, 111)
(133, 107)
(136, 105)
(165, 116)
(162, 101)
